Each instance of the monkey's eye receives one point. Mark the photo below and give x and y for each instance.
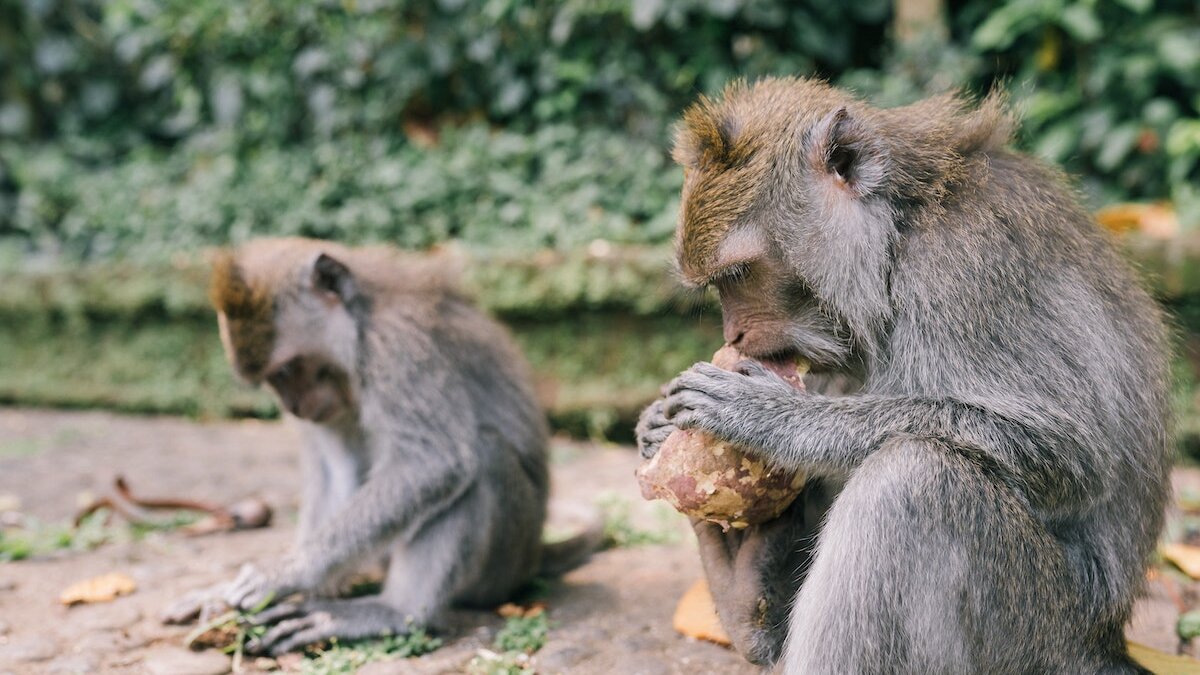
(730, 275)
(281, 374)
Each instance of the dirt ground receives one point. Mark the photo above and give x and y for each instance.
(612, 615)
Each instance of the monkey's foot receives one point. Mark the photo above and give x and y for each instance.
(295, 625)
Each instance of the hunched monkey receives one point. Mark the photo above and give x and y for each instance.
(987, 499)
(423, 438)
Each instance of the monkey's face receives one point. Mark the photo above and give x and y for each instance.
(769, 313)
(312, 388)
(288, 322)
(784, 211)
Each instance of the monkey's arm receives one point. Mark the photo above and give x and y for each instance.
(401, 490)
(1044, 453)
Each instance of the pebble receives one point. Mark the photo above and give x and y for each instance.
(178, 661)
(561, 658)
(31, 649)
(8, 585)
(107, 617)
(4, 628)
(75, 663)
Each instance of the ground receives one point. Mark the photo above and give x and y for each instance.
(612, 615)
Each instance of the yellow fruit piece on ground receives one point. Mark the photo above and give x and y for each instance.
(1163, 664)
(98, 589)
(1186, 558)
(696, 616)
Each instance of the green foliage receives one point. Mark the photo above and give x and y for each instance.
(349, 656)
(140, 126)
(1110, 89)
(1188, 625)
(523, 633)
(520, 638)
(621, 530)
(487, 662)
(35, 538)
(476, 186)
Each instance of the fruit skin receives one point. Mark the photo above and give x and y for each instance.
(709, 479)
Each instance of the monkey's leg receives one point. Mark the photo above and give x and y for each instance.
(929, 564)
(425, 575)
(754, 574)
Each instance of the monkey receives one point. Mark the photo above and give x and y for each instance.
(989, 483)
(423, 440)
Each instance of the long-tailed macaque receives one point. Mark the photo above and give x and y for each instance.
(985, 500)
(423, 439)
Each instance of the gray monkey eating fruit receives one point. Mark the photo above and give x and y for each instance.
(985, 493)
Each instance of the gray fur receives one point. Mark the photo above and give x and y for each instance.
(1005, 462)
(439, 464)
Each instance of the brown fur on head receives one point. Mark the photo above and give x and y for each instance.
(246, 314)
(734, 149)
(252, 286)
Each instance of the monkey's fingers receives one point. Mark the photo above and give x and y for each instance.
(293, 633)
(251, 589)
(200, 604)
(286, 610)
(687, 400)
(703, 377)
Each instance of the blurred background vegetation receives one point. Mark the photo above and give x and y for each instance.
(534, 135)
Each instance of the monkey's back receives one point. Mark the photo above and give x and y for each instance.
(1012, 293)
(484, 396)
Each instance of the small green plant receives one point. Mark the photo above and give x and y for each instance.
(349, 656)
(621, 531)
(14, 548)
(34, 538)
(1188, 625)
(488, 662)
(523, 633)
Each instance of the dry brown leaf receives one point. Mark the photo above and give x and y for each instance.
(1155, 220)
(1161, 663)
(696, 616)
(1186, 558)
(103, 588)
(509, 610)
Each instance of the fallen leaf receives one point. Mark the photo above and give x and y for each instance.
(1161, 663)
(1156, 220)
(696, 616)
(1186, 558)
(509, 610)
(103, 588)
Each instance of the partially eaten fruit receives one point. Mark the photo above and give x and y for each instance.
(712, 480)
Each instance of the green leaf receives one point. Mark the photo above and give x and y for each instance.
(1081, 23)
(1117, 146)
(1139, 6)
(1188, 625)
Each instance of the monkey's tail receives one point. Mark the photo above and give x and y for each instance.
(562, 556)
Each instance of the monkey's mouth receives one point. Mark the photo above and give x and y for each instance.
(787, 364)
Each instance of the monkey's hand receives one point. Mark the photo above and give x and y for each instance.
(199, 605)
(653, 427)
(739, 406)
(254, 588)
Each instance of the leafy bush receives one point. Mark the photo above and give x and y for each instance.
(139, 126)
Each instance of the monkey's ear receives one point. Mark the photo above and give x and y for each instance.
(332, 277)
(842, 147)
